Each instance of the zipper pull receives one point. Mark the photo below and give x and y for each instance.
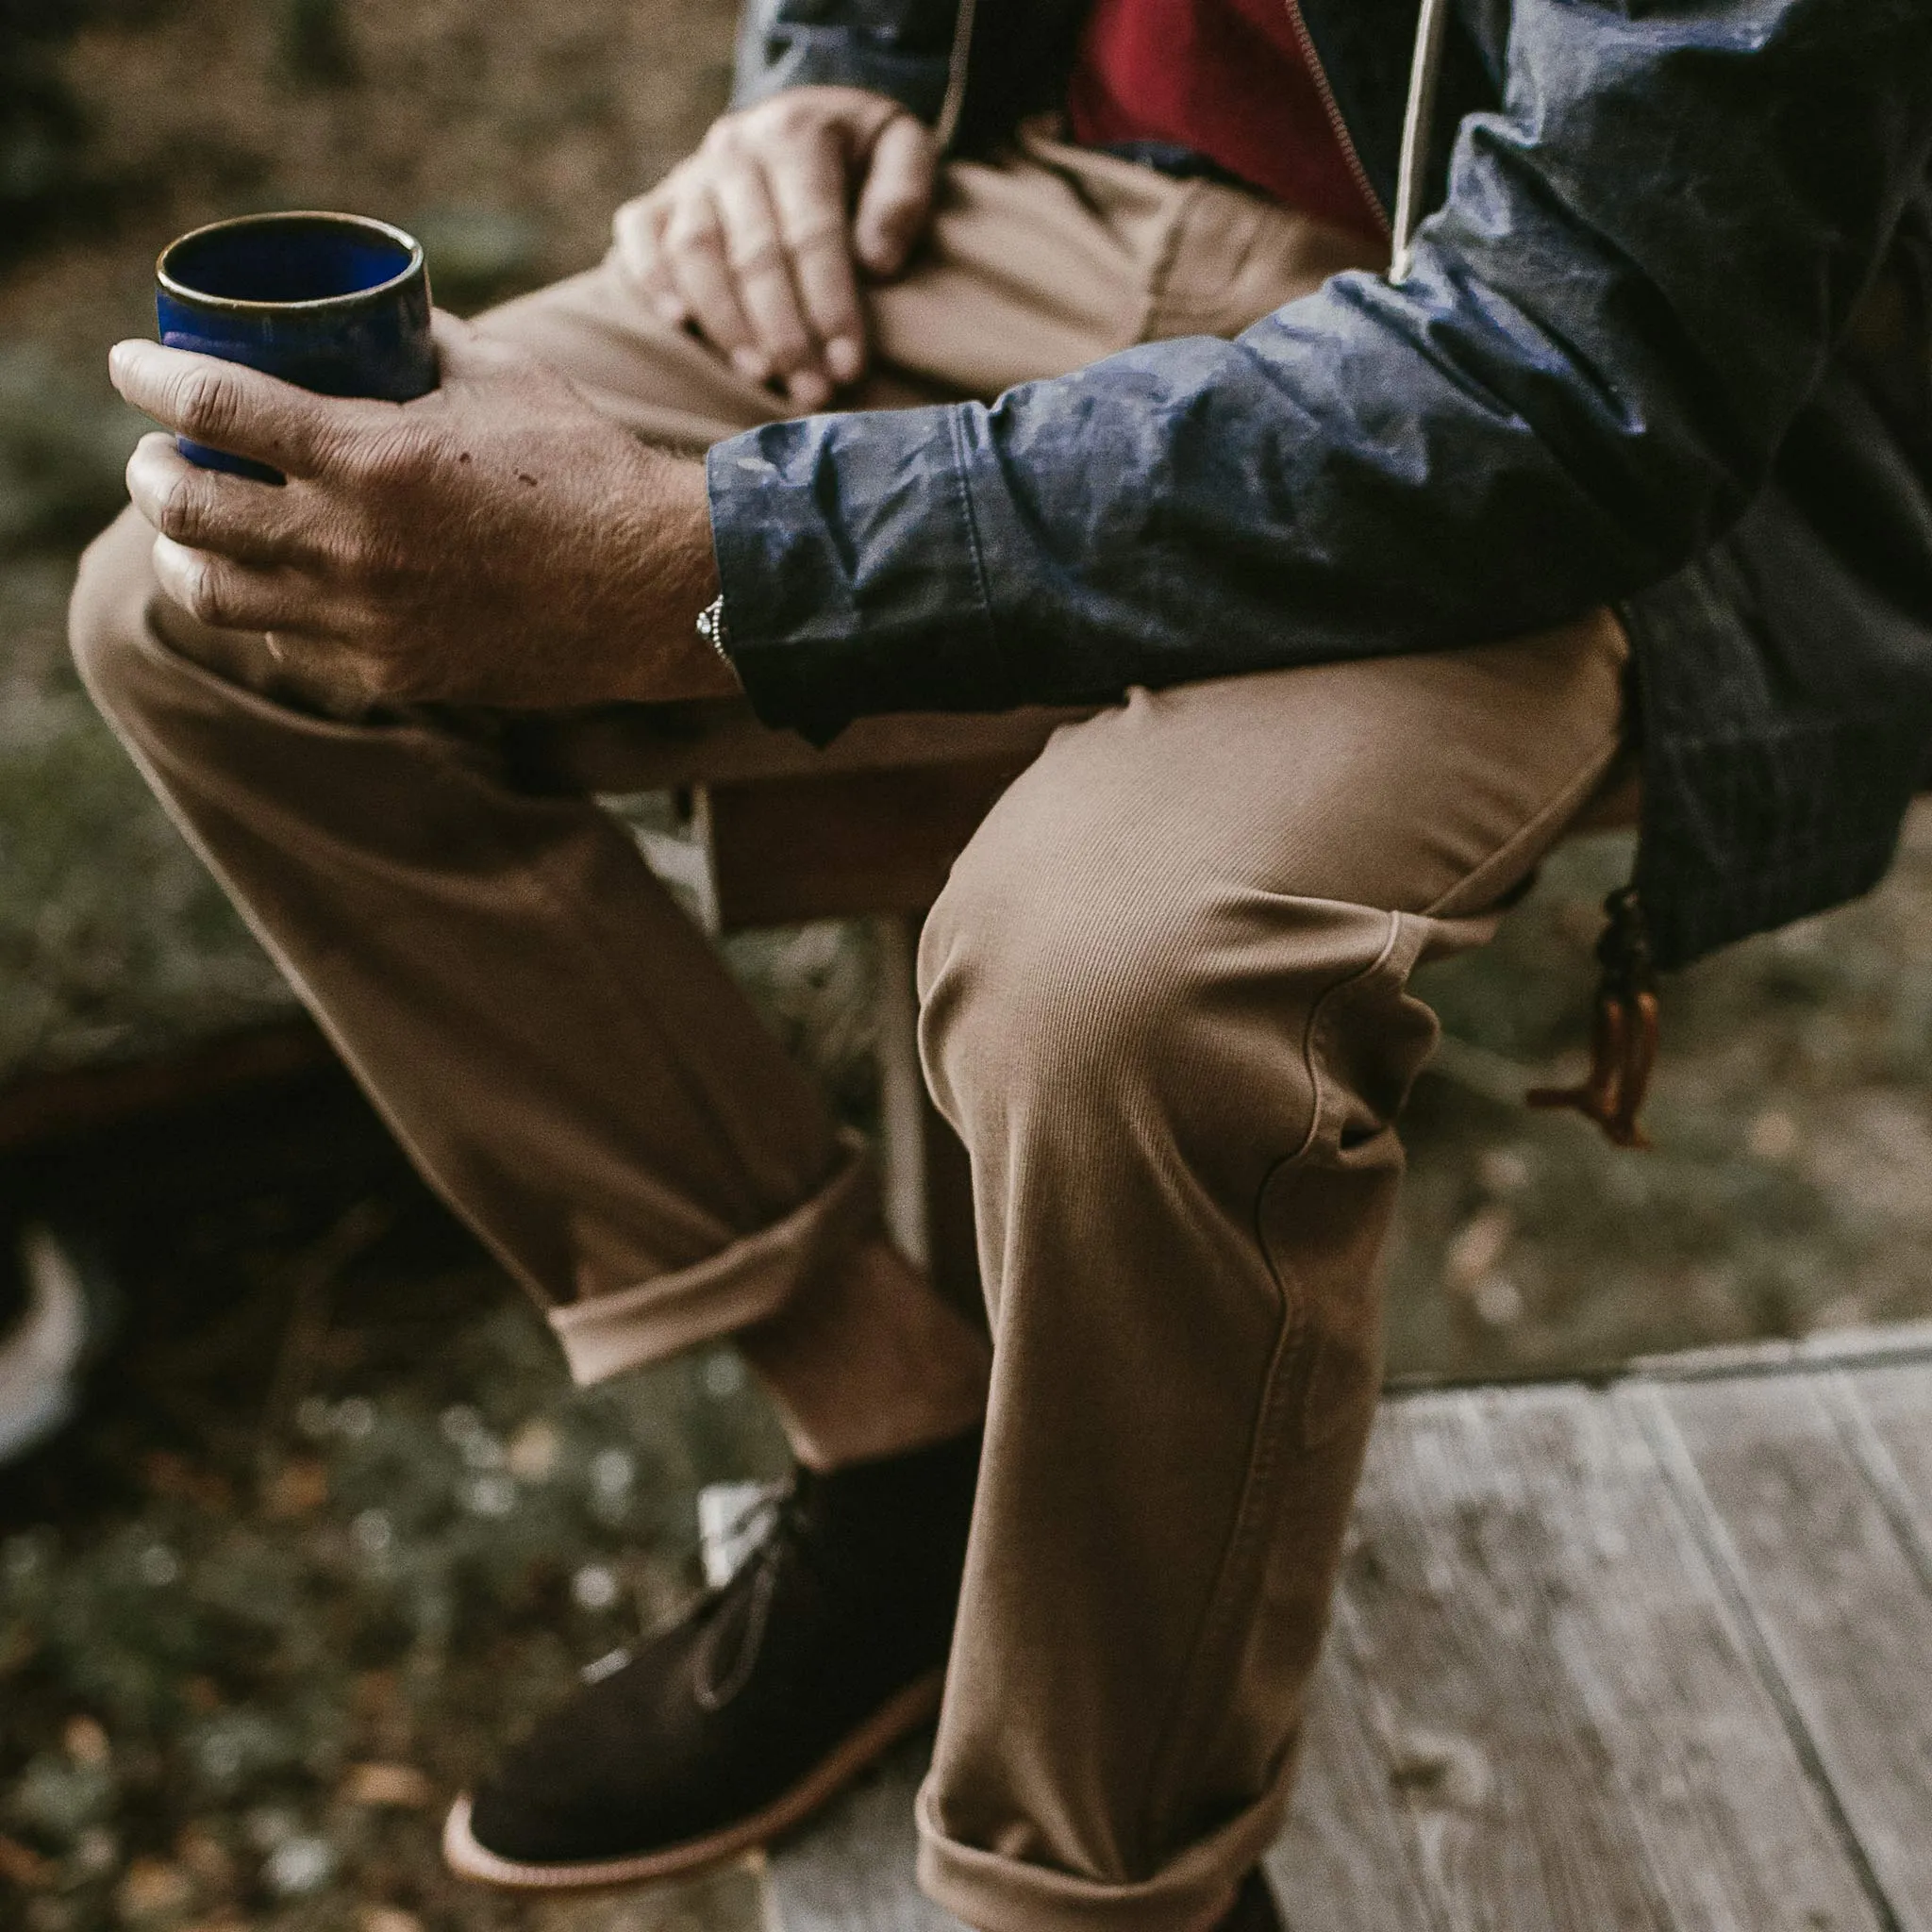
(1624, 1037)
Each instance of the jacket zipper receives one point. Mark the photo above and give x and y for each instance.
(1333, 113)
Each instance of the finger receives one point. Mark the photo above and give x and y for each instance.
(210, 509)
(757, 259)
(694, 248)
(809, 196)
(237, 596)
(897, 195)
(639, 230)
(230, 407)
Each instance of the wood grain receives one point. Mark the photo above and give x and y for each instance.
(1842, 1609)
(1348, 1861)
(1558, 1696)
(1888, 1415)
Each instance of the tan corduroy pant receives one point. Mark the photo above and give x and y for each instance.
(1164, 1003)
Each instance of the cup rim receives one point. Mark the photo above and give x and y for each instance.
(349, 297)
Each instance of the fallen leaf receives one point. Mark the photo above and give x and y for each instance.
(152, 1888)
(297, 1489)
(23, 1868)
(206, 1856)
(87, 1743)
(389, 1918)
(1478, 1247)
(386, 1786)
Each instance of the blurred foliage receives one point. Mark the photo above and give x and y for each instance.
(41, 131)
(334, 1521)
(1790, 1185)
(113, 940)
(63, 446)
(479, 255)
(315, 46)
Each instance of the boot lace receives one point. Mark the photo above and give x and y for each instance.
(776, 1524)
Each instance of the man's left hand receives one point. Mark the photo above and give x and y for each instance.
(496, 541)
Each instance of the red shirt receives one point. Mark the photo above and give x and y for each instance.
(1227, 78)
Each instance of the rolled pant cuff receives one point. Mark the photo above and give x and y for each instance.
(1189, 1893)
(746, 1283)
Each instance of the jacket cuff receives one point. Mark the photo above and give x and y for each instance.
(852, 568)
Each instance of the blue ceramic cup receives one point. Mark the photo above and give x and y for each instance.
(338, 303)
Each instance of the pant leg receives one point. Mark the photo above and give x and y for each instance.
(558, 1048)
(1165, 1003)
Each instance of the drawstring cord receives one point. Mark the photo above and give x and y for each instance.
(1623, 1039)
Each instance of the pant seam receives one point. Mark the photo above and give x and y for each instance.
(1262, 1453)
(1312, 1035)
(1257, 1484)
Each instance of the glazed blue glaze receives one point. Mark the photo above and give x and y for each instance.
(337, 304)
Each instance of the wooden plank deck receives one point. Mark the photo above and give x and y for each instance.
(1652, 1654)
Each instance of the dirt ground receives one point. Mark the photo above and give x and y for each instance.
(331, 1519)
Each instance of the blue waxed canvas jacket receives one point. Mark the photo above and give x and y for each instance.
(1665, 344)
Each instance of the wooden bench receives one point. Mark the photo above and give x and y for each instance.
(1656, 1654)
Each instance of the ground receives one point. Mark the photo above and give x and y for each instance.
(331, 1518)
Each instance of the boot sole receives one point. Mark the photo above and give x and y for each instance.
(899, 1716)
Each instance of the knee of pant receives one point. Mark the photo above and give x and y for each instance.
(1087, 988)
(105, 616)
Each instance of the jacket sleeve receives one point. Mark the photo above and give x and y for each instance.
(897, 47)
(1644, 260)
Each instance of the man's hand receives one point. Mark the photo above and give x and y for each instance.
(756, 239)
(497, 542)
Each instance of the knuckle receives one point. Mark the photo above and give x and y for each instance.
(208, 595)
(207, 404)
(758, 257)
(360, 555)
(730, 135)
(180, 514)
(790, 116)
(376, 678)
(692, 226)
(788, 345)
(386, 462)
(637, 234)
(384, 678)
(347, 556)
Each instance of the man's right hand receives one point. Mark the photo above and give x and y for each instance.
(756, 240)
